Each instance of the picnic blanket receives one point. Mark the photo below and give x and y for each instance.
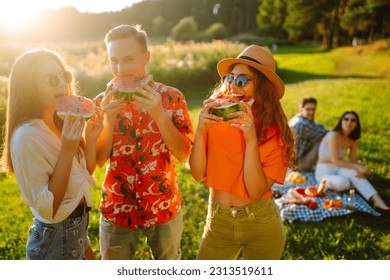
(292, 212)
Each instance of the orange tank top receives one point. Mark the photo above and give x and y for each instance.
(225, 159)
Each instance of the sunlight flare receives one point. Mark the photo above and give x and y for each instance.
(15, 16)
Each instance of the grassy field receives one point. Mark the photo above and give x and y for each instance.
(342, 79)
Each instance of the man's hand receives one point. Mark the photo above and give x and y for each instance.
(150, 99)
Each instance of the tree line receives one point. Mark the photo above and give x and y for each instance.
(332, 22)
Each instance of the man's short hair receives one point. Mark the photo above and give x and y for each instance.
(128, 31)
(307, 99)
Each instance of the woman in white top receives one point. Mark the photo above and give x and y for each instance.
(50, 158)
(342, 173)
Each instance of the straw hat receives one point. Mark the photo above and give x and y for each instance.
(259, 58)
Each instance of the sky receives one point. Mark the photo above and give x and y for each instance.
(16, 13)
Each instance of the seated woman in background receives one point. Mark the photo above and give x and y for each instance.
(342, 173)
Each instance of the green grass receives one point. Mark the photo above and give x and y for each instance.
(342, 79)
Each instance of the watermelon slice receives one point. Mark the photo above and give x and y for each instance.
(75, 105)
(228, 106)
(126, 85)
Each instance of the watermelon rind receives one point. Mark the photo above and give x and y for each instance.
(74, 115)
(128, 94)
(225, 110)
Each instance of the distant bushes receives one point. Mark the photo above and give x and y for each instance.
(190, 65)
(187, 30)
(186, 65)
(216, 31)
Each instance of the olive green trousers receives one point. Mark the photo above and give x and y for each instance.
(254, 231)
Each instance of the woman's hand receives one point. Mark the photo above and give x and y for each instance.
(244, 120)
(362, 171)
(206, 119)
(72, 131)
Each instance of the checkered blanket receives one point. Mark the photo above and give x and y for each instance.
(292, 212)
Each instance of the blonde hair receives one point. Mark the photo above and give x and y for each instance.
(24, 102)
(128, 31)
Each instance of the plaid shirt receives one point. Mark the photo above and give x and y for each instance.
(308, 134)
(140, 188)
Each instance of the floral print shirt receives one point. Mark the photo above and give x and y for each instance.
(140, 187)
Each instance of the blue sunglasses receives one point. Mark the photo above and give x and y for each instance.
(240, 80)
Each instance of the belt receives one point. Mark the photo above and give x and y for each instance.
(80, 210)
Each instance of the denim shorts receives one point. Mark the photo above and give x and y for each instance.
(255, 230)
(66, 240)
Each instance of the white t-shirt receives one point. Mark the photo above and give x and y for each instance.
(34, 153)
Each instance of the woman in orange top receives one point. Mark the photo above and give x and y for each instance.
(242, 158)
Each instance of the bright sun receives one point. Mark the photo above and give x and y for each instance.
(16, 15)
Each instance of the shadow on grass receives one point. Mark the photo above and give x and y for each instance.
(357, 236)
(291, 77)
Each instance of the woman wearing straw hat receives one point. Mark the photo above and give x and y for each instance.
(242, 158)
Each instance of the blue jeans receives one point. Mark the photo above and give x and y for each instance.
(66, 240)
(120, 243)
(256, 230)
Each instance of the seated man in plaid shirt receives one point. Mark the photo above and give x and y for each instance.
(308, 134)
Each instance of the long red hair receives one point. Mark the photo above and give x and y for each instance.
(267, 110)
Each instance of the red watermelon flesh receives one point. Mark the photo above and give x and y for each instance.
(228, 99)
(75, 105)
(126, 85)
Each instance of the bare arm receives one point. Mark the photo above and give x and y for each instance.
(198, 157)
(175, 141)
(353, 154)
(58, 182)
(352, 163)
(256, 182)
(104, 143)
(363, 170)
(92, 132)
(110, 107)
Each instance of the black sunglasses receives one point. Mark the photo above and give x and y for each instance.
(349, 119)
(240, 80)
(54, 79)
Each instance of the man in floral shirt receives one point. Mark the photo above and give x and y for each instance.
(309, 134)
(142, 140)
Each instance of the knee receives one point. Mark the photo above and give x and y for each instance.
(350, 173)
(340, 184)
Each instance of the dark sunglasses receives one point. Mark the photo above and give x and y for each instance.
(348, 119)
(240, 80)
(54, 79)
